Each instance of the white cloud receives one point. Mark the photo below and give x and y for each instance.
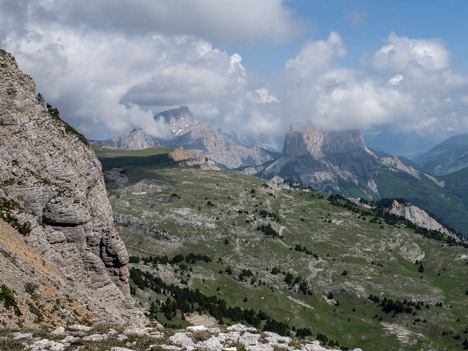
(411, 87)
(330, 97)
(400, 53)
(396, 79)
(223, 22)
(115, 81)
(315, 56)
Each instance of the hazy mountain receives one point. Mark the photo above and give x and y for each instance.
(194, 135)
(336, 161)
(339, 162)
(264, 141)
(447, 157)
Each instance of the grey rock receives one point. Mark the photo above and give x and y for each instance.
(418, 217)
(51, 173)
(96, 337)
(19, 336)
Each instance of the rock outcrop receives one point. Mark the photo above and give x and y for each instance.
(198, 337)
(418, 217)
(191, 158)
(188, 134)
(52, 191)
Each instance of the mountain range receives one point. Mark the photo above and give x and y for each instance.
(447, 157)
(331, 161)
(339, 162)
(185, 133)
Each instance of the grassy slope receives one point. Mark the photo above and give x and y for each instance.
(348, 243)
(444, 202)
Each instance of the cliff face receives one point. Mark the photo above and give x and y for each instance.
(319, 143)
(326, 160)
(417, 216)
(52, 190)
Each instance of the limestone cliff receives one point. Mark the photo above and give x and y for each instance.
(191, 158)
(52, 190)
(418, 217)
(325, 159)
(334, 161)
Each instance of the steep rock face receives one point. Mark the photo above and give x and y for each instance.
(190, 135)
(418, 217)
(52, 189)
(326, 160)
(319, 143)
(35, 285)
(338, 162)
(220, 148)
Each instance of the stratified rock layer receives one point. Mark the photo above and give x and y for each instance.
(53, 186)
(325, 159)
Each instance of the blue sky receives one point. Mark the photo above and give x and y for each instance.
(397, 70)
(364, 26)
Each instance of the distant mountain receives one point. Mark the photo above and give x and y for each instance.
(333, 161)
(188, 134)
(339, 162)
(447, 157)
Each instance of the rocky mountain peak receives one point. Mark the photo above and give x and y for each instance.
(318, 142)
(52, 190)
(189, 135)
(179, 119)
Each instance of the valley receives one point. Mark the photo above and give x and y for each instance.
(314, 268)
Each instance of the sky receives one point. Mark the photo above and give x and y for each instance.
(397, 70)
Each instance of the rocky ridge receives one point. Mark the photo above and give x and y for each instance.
(52, 191)
(418, 217)
(188, 134)
(449, 156)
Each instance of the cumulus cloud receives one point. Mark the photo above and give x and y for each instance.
(332, 97)
(400, 53)
(408, 84)
(108, 80)
(110, 65)
(316, 56)
(217, 21)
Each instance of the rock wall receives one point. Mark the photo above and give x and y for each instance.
(318, 143)
(418, 217)
(52, 190)
(188, 155)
